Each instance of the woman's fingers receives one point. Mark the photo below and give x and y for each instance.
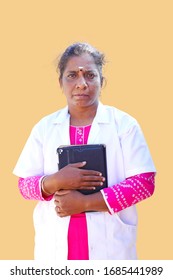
(78, 164)
(73, 176)
(98, 179)
(85, 171)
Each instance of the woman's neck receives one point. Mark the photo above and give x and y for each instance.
(82, 116)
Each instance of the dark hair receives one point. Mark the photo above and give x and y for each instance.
(78, 49)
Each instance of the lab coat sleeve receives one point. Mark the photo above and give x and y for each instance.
(136, 154)
(31, 160)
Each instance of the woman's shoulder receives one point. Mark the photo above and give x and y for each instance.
(47, 122)
(123, 121)
(54, 117)
(119, 115)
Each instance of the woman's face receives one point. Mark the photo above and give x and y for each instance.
(81, 81)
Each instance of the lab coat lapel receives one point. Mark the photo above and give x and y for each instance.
(63, 122)
(100, 118)
(95, 128)
(64, 130)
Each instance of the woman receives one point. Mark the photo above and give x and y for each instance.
(69, 224)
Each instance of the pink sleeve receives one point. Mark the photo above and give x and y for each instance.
(30, 188)
(129, 192)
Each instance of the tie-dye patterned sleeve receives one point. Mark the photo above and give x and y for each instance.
(30, 188)
(129, 192)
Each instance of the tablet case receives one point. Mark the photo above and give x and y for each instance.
(94, 155)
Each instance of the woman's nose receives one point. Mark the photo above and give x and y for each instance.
(81, 83)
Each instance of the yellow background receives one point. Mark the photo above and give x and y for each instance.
(136, 37)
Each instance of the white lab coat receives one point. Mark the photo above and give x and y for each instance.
(109, 236)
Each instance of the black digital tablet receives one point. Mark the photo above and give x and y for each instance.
(93, 154)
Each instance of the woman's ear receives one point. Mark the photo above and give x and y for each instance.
(102, 79)
(103, 82)
(60, 82)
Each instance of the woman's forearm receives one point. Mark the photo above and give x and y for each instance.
(129, 192)
(30, 188)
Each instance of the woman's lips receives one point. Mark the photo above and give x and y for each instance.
(80, 95)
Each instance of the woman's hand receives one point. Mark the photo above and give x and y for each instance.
(73, 177)
(69, 202)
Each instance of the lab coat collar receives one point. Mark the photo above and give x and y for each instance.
(61, 116)
(101, 115)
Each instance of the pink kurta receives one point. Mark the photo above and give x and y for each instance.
(77, 232)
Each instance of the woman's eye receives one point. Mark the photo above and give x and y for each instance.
(90, 75)
(71, 75)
